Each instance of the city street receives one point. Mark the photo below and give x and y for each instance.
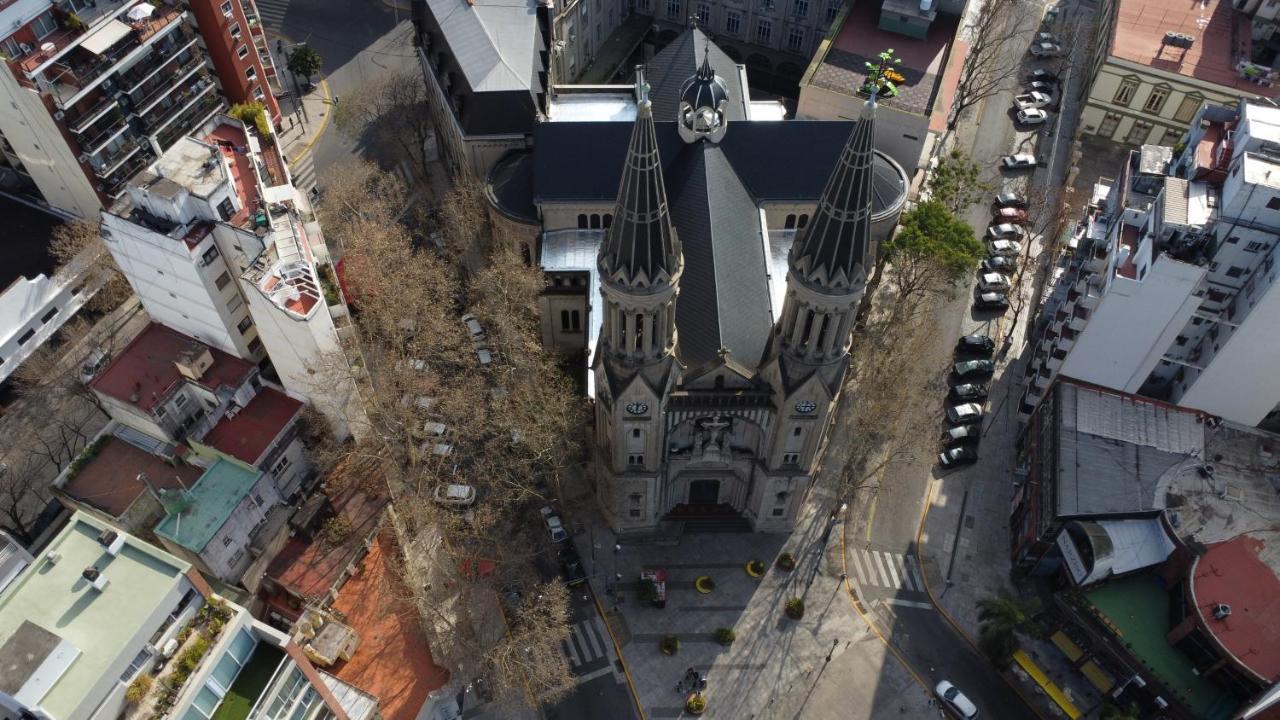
(602, 688)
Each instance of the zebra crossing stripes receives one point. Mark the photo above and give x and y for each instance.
(273, 12)
(303, 172)
(879, 568)
(586, 642)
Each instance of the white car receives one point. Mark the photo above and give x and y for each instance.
(993, 282)
(1019, 161)
(1046, 49)
(1004, 230)
(1004, 247)
(1032, 116)
(1033, 99)
(964, 413)
(956, 700)
(554, 526)
(453, 494)
(473, 326)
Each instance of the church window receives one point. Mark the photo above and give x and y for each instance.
(790, 222)
(802, 220)
(791, 458)
(796, 432)
(595, 221)
(833, 9)
(608, 220)
(570, 321)
(822, 331)
(732, 22)
(801, 8)
(635, 513)
(764, 31)
(635, 460)
(582, 221)
(673, 9)
(778, 511)
(795, 39)
(704, 14)
(635, 433)
(638, 341)
(808, 327)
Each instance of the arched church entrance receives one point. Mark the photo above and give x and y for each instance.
(703, 492)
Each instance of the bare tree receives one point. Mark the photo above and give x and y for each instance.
(988, 63)
(391, 110)
(77, 246)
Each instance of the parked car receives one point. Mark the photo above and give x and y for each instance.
(1000, 231)
(1032, 116)
(473, 326)
(571, 566)
(554, 526)
(1046, 50)
(969, 391)
(93, 364)
(454, 494)
(1004, 247)
(1032, 99)
(999, 264)
(991, 301)
(483, 354)
(964, 413)
(978, 344)
(959, 455)
(993, 282)
(956, 701)
(1042, 86)
(1046, 37)
(1018, 161)
(962, 434)
(1042, 75)
(973, 368)
(1009, 215)
(1009, 198)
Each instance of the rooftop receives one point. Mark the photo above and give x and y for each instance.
(146, 371)
(55, 598)
(393, 660)
(190, 164)
(1242, 573)
(208, 504)
(248, 433)
(109, 480)
(495, 42)
(1221, 40)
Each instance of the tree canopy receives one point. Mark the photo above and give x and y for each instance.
(957, 182)
(305, 61)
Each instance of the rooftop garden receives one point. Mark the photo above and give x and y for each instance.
(152, 693)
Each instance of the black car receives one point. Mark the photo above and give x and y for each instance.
(969, 391)
(959, 455)
(976, 344)
(973, 368)
(991, 301)
(1042, 75)
(571, 567)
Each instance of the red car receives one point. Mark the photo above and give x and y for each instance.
(1009, 214)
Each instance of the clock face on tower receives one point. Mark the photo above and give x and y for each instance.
(637, 408)
(804, 407)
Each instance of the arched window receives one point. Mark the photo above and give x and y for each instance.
(564, 321)
(608, 219)
(582, 221)
(575, 320)
(595, 221)
(790, 222)
(804, 220)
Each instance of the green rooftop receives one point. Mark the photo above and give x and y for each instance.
(99, 625)
(208, 504)
(1137, 607)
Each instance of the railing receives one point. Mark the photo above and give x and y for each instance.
(166, 84)
(205, 106)
(112, 162)
(155, 61)
(157, 120)
(82, 121)
(92, 145)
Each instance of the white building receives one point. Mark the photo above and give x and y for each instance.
(1173, 294)
(218, 244)
(101, 609)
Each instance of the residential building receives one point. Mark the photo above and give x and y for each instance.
(1170, 292)
(1131, 509)
(932, 56)
(13, 559)
(236, 43)
(1155, 64)
(101, 609)
(93, 91)
(264, 434)
(219, 245)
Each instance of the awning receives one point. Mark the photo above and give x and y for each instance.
(101, 40)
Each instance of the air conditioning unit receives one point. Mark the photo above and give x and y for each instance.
(83, 159)
(1221, 611)
(58, 115)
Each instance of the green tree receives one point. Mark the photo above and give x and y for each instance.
(957, 182)
(931, 253)
(305, 61)
(1001, 617)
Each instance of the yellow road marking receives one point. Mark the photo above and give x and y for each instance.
(324, 122)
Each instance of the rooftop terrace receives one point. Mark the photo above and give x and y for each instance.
(146, 371)
(109, 480)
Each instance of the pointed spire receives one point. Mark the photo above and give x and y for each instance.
(705, 71)
(640, 251)
(829, 253)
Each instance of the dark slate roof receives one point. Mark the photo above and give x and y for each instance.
(511, 186)
(724, 291)
(705, 88)
(679, 61)
(776, 161)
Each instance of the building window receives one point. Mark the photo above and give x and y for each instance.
(179, 401)
(833, 9)
(795, 39)
(255, 346)
(1124, 93)
(570, 321)
(704, 15)
(10, 47)
(767, 5)
(242, 52)
(1155, 101)
(732, 22)
(244, 325)
(1234, 272)
(222, 280)
(235, 31)
(1255, 246)
(209, 255)
(30, 333)
(791, 458)
(582, 221)
(1138, 133)
(801, 8)
(673, 9)
(226, 209)
(43, 25)
(258, 94)
(1172, 136)
(779, 511)
(226, 542)
(763, 31)
(1187, 108)
(281, 466)
(251, 72)
(1273, 203)
(634, 513)
(44, 319)
(226, 9)
(635, 460)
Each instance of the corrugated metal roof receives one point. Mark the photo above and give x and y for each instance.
(495, 42)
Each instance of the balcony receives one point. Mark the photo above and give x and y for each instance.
(103, 133)
(192, 117)
(116, 184)
(165, 51)
(108, 164)
(157, 117)
(162, 86)
(81, 122)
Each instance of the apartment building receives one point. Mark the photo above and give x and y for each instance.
(219, 245)
(1156, 63)
(100, 610)
(1171, 291)
(94, 90)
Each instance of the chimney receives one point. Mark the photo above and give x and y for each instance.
(194, 361)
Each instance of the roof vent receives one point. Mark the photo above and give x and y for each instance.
(53, 556)
(90, 573)
(111, 540)
(1221, 611)
(1206, 470)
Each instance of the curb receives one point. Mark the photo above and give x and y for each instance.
(324, 122)
(617, 649)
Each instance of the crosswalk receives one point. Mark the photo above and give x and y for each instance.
(879, 568)
(303, 171)
(273, 12)
(587, 642)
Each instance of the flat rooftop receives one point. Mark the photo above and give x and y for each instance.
(58, 600)
(190, 164)
(146, 368)
(1221, 38)
(109, 481)
(1242, 573)
(208, 505)
(843, 68)
(247, 435)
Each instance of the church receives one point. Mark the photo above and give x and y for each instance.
(707, 258)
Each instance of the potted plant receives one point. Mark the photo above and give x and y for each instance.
(695, 704)
(756, 568)
(795, 608)
(786, 561)
(670, 644)
(704, 584)
(725, 636)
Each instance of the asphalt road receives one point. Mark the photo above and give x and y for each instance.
(601, 691)
(881, 548)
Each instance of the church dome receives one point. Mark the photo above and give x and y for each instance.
(703, 98)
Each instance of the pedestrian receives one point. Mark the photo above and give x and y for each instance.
(680, 688)
(292, 122)
(702, 684)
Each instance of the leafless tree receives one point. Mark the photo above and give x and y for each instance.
(1048, 215)
(988, 63)
(392, 110)
(77, 246)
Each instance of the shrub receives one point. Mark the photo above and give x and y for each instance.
(795, 608)
(755, 568)
(670, 644)
(725, 636)
(695, 704)
(252, 113)
(786, 561)
(191, 657)
(138, 689)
